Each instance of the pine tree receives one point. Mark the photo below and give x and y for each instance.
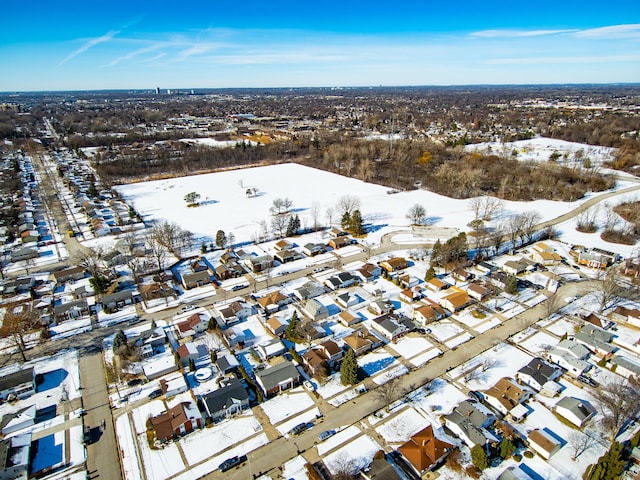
(431, 273)
(512, 285)
(212, 325)
(436, 253)
(356, 224)
(192, 365)
(609, 467)
(479, 457)
(345, 222)
(293, 226)
(291, 333)
(349, 369)
(507, 448)
(221, 239)
(154, 325)
(119, 341)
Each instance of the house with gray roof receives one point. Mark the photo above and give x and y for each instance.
(227, 401)
(21, 383)
(596, 340)
(309, 290)
(195, 279)
(538, 372)
(117, 299)
(470, 422)
(575, 410)
(625, 366)
(14, 457)
(280, 377)
(316, 310)
(392, 326)
(71, 310)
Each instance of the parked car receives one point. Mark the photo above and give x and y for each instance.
(588, 380)
(155, 394)
(301, 427)
(239, 287)
(229, 463)
(308, 385)
(477, 396)
(187, 308)
(134, 382)
(326, 434)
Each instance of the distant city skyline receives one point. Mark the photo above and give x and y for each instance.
(71, 45)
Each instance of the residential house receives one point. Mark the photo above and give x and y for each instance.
(68, 274)
(628, 315)
(392, 326)
(394, 264)
(117, 299)
(277, 378)
(455, 301)
(348, 319)
(227, 363)
(625, 366)
(596, 339)
(270, 348)
(336, 232)
(188, 351)
(575, 410)
(348, 299)
(339, 242)
(313, 249)
(478, 292)
(285, 256)
(235, 312)
(18, 420)
(340, 280)
(227, 401)
(177, 421)
(283, 244)
(259, 263)
(361, 341)
(154, 291)
(470, 422)
(514, 267)
(315, 310)
(369, 272)
(159, 366)
(437, 285)
(570, 355)
(314, 361)
(71, 310)
(380, 469)
(174, 384)
(26, 253)
(544, 443)
(382, 306)
(546, 258)
(277, 325)
(15, 457)
(506, 394)
(426, 314)
(596, 258)
(195, 279)
(194, 324)
(424, 451)
(537, 373)
(331, 352)
(309, 290)
(499, 279)
(273, 302)
(462, 275)
(411, 295)
(486, 267)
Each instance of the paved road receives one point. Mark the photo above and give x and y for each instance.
(102, 455)
(269, 457)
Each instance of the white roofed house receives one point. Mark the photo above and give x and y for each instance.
(174, 384)
(23, 418)
(259, 263)
(348, 299)
(571, 356)
(235, 312)
(271, 348)
(596, 340)
(309, 290)
(315, 310)
(625, 366)
(575, 410)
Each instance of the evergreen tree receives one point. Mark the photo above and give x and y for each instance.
(154, 325)
(507, 448)
(212, 325)
(431, 273)
(291, 333)
(435, 253)
(609, 467)
(293, 226)
(119, 341)
(192, 365)
(345, 222)
(356, 225)
(349, 368)
(203, 248)
(221, 239)
(479, 457)
(512, 285)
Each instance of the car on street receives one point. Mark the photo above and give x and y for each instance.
(155, 394)
(229, 463)
(477, 396)
(326, 434)
(188, 308)
(239, 287)
(308, 385)
(301, 427)
(588, 380)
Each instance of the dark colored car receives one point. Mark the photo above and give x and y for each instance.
(155, 394)
(229, 463)
(301, 427)
(477, 396)
(134, 382)
(587, 380)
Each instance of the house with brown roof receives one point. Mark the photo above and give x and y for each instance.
(277, 325)
(543, 443)
(348, 319)
(506, 394)
(394, 264)
(478, 292)
(436, 285)
(177, 421)
(361, 341)
(410, 295)
(283, 244)
(195, 279)
(455, 301)
(68, 274)
(194, 324)
(313, 361)
(339, 242)
(273, 302)
(424, 451)
(369, 272)
(426, 314)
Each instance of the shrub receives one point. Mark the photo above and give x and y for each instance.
(528, 453)
(517, 457)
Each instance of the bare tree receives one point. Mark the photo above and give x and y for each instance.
(157, 249)
(17, 323)
(618, 402)
(417, 214)
(488, 363)
(586, 221)
(280, 206)
(389, 392)
(514, 229)
(610, 292)
(552, 304)
(92, 260)
(497, 238)
(530, 220)
(491, 207)
(611, 218)
(580, 442)
(279, 224)
(330, 212)
(475, 205)
(347, 204)
(314, 211)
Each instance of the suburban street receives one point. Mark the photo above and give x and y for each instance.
(102, 451)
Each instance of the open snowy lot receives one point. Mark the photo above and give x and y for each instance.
(287, 404)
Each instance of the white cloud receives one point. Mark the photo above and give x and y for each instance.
(89, 44)
(631, 30)
(563, 60)
(509, 33)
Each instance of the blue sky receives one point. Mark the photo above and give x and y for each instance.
(72, 45)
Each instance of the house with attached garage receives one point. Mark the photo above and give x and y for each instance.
(424, 451)
(273, 302)
(278, 378)
(309, 290)
(369, 272)
(392, 326)
(575, 410)
(20, 383)
(68, 274)
(313, 249)
(506, 394)
(259, 263)
(71, 310)
(195, 279)
(394, 264)
(544, 443)
(455, 301)
(235, 312)
(341, 280)
(271, 348)
(229, 400)
(315, 310)
(177, 421)
(361, 341)
(537, 373)
(571, 356)
(426, 314)
(117, 299)
(470, 421)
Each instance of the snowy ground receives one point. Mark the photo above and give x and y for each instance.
(287, 405)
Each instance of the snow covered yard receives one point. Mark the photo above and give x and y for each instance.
(536, 343)
(353, 457)
(445, 330)
(410, 346)
(287, 404)
(402, 426)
